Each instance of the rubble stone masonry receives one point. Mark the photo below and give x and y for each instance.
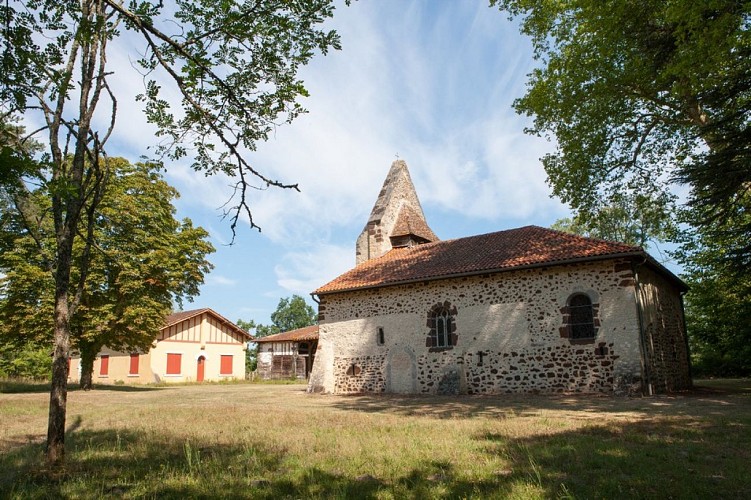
(509, 334)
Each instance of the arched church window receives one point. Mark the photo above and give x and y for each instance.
(581, 318)
(442, 324)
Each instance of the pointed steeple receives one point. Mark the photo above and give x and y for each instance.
(397, 219)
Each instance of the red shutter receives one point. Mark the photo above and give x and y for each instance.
(104, 365)
(173, 363)
(133, 364)
(225, 368)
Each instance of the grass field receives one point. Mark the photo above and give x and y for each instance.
(276, 441)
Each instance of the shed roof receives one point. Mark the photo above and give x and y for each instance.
(299, 335)
(524, 247)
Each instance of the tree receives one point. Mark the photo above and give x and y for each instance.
(641, 96)
(718, 304)
(251, 355)
(291, 313)
(634, 222)
(234, 66)
(143, 261)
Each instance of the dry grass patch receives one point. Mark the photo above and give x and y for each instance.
(272, 441)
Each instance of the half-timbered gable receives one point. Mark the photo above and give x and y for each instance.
(192, 346)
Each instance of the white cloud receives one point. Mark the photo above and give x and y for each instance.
(431, 81)
(219, 280)
(303, 271)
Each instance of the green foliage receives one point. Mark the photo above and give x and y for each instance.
(718, 305)
(143, 261)
(642, 95)
(233, 67)
(293, 313)
(24, 360)
(251, 354)
(634, 222)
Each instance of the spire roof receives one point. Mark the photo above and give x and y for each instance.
(397, 218)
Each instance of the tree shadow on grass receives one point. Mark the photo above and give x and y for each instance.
(655, 458)
(718, 400)
(20, 387)
(126, 464)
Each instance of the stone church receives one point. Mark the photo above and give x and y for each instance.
(521, 310)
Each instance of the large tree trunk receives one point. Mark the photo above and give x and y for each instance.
(59, 390)
(88, 354)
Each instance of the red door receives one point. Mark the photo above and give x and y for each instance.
(199, 374)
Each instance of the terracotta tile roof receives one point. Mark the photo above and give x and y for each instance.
(179, 316)
(409, 222)
(527, 246)
(301, 334)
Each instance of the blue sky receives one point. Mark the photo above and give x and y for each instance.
(430, 80)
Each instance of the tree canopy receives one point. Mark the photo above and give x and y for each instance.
(232, 65)
(642, 97)
(635, 221)
(293, 313)
(144, 261)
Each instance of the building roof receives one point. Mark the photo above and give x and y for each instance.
(529, 246)
(410, 222)
(177, 317)
(299, 335)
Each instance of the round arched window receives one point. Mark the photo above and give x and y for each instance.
(581, 317)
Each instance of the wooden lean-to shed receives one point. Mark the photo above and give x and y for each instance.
(287, 354)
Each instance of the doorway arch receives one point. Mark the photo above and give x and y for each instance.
(201, 364)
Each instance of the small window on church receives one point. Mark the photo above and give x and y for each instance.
(442, 329)
(381, 336)
(353, 370)
(441, 321)
(581, 318)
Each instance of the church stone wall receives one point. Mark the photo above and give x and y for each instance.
(510, 334)
(664, 332)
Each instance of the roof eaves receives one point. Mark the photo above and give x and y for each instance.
(180, 319)
(667, 272)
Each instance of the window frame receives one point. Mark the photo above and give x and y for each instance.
(172, 356)
(442, 323)
(443, 329)
(223, 359)
(580, 320)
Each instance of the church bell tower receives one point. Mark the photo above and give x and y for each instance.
(397, 219)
